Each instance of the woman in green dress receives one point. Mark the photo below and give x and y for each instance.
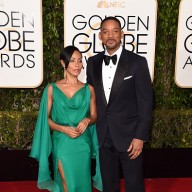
(66, 128)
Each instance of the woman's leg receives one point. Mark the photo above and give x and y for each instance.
(61, 171)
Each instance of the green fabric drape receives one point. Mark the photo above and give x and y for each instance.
(65, 111)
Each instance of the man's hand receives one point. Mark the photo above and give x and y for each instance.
(135, 148)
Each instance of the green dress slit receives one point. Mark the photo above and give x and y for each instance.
(75, 154)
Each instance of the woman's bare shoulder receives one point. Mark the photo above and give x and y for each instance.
(91, 88)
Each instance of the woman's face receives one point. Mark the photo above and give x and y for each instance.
(75, 64)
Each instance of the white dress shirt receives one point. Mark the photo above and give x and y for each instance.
(108, 73)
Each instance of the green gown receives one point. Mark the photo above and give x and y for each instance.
(75, 154)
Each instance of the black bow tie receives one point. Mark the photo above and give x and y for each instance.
(107, 59)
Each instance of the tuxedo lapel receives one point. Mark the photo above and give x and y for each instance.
(121, 71)
(97, 68)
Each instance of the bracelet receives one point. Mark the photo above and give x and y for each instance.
(89, 120)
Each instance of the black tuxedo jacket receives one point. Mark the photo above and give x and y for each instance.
(129, 110)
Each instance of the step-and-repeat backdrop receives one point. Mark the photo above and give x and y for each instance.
(21, 43)
(138, 20)
(183, 65)
(21, 40)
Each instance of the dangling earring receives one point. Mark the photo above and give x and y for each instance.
(63, 66)
(64, 70)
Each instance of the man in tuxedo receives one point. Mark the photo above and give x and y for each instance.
(123, 90)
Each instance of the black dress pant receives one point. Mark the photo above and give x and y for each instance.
(110, 162)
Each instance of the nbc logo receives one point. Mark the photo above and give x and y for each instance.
(103, 4)
(110, 4)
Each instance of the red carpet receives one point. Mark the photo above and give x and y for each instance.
(151, 185)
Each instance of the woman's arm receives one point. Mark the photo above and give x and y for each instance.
(93, 113)
(93, 108)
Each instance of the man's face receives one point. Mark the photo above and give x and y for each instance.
(111, 35)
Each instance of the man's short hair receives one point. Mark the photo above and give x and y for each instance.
(110, 18)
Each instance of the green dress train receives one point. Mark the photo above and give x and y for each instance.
(75, 154)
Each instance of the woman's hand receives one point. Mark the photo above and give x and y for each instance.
(82, 126)
(71, 132)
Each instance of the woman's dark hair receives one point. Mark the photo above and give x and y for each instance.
(66, 54)
(110, 18)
